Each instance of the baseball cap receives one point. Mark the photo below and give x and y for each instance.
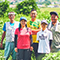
(11, 13)
(23, 18)
(53, 13)
(44, 21)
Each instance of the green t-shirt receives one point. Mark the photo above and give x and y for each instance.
(34, 25)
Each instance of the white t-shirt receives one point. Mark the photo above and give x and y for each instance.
(44, 37)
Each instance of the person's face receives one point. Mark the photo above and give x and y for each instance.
(11, 17)
(23, 22)
(33, 14)
(54, 18)
(44, 26)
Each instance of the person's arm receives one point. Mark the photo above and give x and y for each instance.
(31, 48)
(3, 36)
(34, 31)
(37, 36)
(31, 39)
(50, 42)
(15, 42)
(15, 39)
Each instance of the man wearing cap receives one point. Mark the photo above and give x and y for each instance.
(9, 29)
(54, 26)
(44, 37)
(34, 24)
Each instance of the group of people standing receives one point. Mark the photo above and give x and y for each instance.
(25, 36)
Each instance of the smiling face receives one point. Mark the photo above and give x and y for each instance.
(44, 26)
(54, 19)
(11, 17)
(23, 23)
(33, 14)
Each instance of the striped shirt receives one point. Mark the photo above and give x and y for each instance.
(34, 25)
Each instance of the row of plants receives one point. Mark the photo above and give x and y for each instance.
(52, 56)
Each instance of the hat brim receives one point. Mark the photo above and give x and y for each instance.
(11, 13)
(45, 23)
(53, 13)
(23, 19)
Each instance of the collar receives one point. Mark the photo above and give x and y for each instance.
(44, 30)
(56, 23)
(13, 22)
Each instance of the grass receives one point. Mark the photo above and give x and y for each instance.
(2, 55)
(50, 9)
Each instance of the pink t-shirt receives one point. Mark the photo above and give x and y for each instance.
(23, 41)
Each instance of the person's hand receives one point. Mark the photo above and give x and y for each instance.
(34, 33)
(50, 48)
(31, 48)
(16, 49)
(1, 45)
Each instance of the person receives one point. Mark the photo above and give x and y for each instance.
(54, 26)
(34, 24)
(45, 39)
(9, 29)
(23, 40)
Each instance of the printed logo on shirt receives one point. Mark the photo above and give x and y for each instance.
(58, 23)
(42, 37)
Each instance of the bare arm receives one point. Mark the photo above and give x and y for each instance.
(34, 32)
(3, 36)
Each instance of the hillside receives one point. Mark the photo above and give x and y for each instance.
(47, 0)
(54, 0)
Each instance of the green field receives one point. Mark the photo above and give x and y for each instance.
(50, 9)
(43, 14)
